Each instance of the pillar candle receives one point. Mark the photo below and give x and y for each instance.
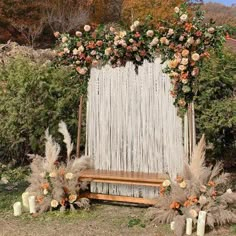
(17, 208)
(201, 223)
(25, 200)
(172, 225)
(32, 207)
(189, 226)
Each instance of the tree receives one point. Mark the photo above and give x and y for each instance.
(66, 15)
(139, 9)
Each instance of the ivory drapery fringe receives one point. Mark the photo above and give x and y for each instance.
(132, 125)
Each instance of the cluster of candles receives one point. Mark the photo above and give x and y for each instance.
(28, 203)
(189, 224)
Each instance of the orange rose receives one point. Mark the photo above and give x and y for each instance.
(39, 199)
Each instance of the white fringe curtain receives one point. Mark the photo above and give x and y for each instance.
(132, 125)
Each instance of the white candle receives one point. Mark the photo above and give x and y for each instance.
(189, 226)
(201, 223)
(32, 207)
(17, 208)
(25, 200)
(172, 225)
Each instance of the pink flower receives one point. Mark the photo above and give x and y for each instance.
(138, 58)
(81, 71)
(87, 28)
(184, 61)
(182, 67)
(93, 52)
(94, 62)
(56, 34)
(99, 43)
(195, 71)
(137, 35)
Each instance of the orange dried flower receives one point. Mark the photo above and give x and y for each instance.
(211, 183)
(188, 27)
(39, 199)
(45, 186)
(187, 203)
(174, 205)
(63, 201)
(61, 172)
(179, 179)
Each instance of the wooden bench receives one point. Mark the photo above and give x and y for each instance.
(121, 177)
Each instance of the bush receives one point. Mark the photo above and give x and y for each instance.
(32, 98)
(216, 105)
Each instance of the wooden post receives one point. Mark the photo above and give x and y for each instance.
(79, 126)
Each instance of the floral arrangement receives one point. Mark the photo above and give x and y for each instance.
(199, 188)
(183, 44)
(55, 184)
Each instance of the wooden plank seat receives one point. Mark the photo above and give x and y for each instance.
(122, 177)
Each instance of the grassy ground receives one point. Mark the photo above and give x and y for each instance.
(101, 219)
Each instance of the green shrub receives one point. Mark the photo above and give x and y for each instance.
(216, 105)
(32, 98)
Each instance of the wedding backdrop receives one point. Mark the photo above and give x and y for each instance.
(132, 125)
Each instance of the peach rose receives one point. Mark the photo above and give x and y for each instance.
(54, 203)
(87, 28)
(195, 56)
(185, 53)
(78, 33)
(150, 33)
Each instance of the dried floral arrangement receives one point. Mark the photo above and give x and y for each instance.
(199, 188)
(55, 184)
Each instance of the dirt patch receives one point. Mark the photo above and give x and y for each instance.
(102, 219)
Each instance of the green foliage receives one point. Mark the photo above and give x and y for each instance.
(32, 98)
(215, 103)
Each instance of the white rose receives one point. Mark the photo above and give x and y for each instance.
(211, 30)
(167, 42)
(198, 41)
(154, 41)
(134, 48)
(108, 51)
(54, 203)
(193, 213)
(181, 38)
(131, 40)
(4, 180)
(64, 39)
(150, 33)
(176, 10)
(45, 191)
(75, 51)
(184, 17)
(202, 200)
(229, 190)
(78, 33)
(183, 184)
(190, 40)
(137, 58)
(69, 175)
(195, 56)
(170, 32)
(66, 50)
(132, 28)
(166, 183)
(182, 67)
(136, 23)
(184, 61)
(81, 48)
(87, 28)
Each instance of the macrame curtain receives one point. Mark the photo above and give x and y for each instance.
(132, 125)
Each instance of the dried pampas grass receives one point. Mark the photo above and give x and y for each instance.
(55, 184)
(199, 188)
